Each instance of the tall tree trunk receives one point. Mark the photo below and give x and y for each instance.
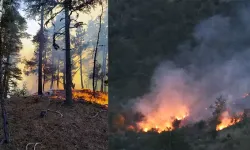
(41, 47)
(45, 63)
(64, 76)
(58, 74)
(96, 50)
(6, 75)
(53, 71)
(52, 81)
(105, 87)
(6, 87)
(1, 9)
(103, 68)
(102, 85)
(68, 55)
(81, 70)
(4, 114)
(96, 81)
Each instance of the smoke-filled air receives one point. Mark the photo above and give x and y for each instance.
(184, 89)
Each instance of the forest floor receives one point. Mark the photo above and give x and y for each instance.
(79, 128)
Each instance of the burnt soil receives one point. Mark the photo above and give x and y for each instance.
(79, 128)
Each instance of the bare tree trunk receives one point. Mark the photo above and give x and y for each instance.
(58, 75)
(41, 47)
(52, 81)
(103, 69)
(105, 88)
(45, 63)
(53, 71)
(64, 76)
(102, 84)
(1, 9)
(6, 87)
(68, 55)
(96, 50)
(4, 115)
(96, 81)
(6, 75)
(81, 70)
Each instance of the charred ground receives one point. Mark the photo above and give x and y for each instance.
(79, 128)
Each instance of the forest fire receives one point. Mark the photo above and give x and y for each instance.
(163, 120)
(226, 120)
(170, 118)
(84, 94)
(157, 124)
(177, 99)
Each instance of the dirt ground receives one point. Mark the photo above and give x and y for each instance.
(80, 128)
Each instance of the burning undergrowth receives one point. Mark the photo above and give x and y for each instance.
(86, 95)
(177, 100)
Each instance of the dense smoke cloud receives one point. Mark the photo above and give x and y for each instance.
(215, 62)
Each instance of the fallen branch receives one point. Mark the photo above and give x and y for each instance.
(55, 112)
(97, 114)
(35, 144)
(45, 111)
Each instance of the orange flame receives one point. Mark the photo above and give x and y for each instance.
(84, 94)
(226, 121)
(162, 120)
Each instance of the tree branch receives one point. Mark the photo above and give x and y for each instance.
(53, 16)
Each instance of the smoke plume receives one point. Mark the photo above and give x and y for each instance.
(214, 63)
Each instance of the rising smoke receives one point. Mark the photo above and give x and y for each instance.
(217, 65)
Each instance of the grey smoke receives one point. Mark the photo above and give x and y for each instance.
(218, 64)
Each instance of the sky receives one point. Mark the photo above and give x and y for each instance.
(28, 47)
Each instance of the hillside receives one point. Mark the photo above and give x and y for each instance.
(195, 137)
(79, 128)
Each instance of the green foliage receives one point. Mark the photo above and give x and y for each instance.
(12, 30)
(176, 123)
(200, 125)
(213, 133)
(15, 73)
(218, 108)
(20, 91)
(34, 6)
(173, 140)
